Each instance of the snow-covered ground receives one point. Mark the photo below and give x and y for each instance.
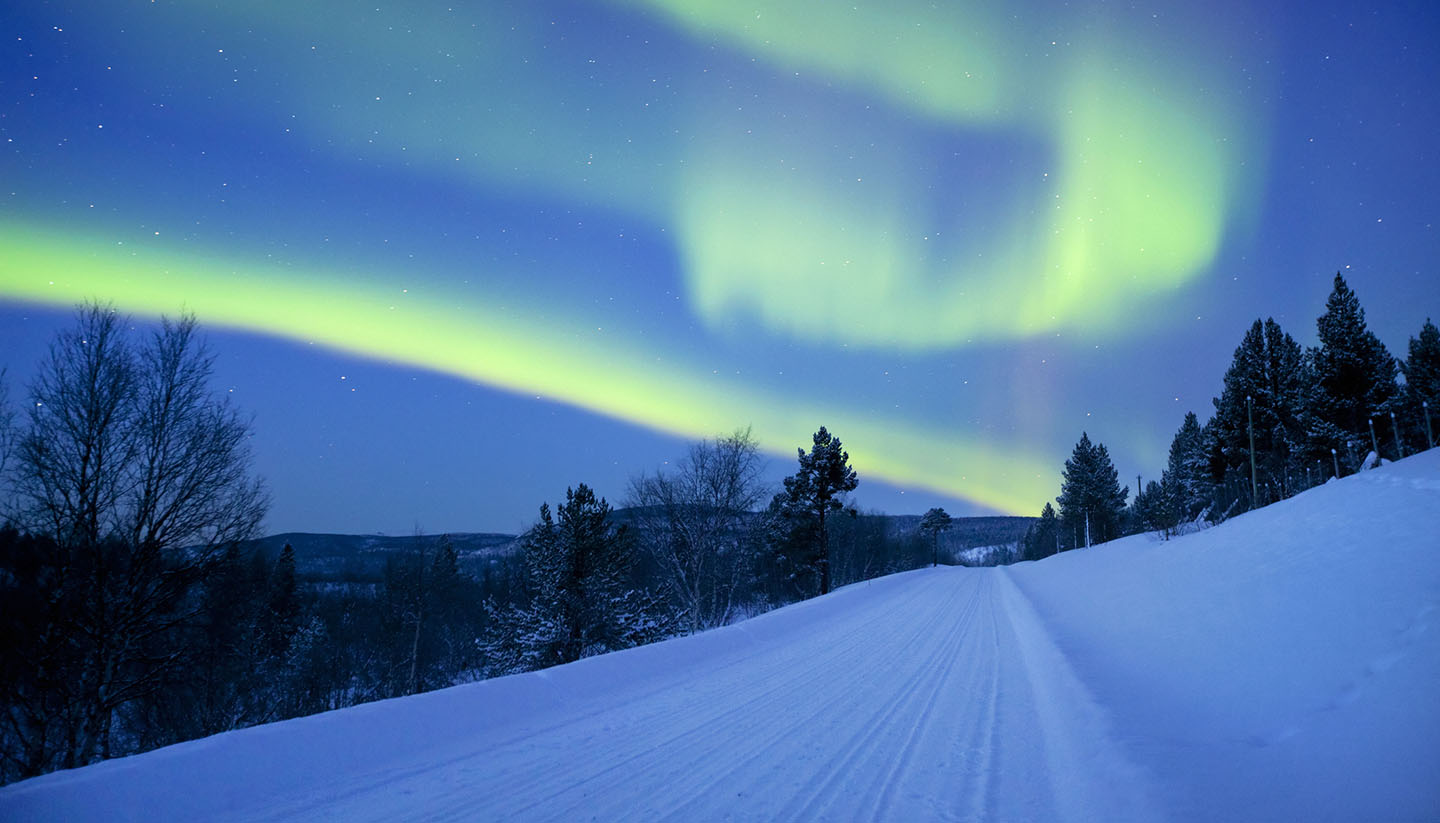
(1282, 666)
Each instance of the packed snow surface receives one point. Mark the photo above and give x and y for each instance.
(1281, 666)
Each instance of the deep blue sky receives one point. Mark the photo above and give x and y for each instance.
(454, 260)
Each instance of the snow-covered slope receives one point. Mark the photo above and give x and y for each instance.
(1281, 666)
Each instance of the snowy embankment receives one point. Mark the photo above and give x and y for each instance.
(1281, 666)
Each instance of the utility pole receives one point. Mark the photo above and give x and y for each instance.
(1399, 447)
(1429, 438)
(1250, 424)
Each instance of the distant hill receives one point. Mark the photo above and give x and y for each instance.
(356, 557)
(362, 557)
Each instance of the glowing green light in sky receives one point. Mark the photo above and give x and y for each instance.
(794, 183)
(550, 359)
(1145, 175)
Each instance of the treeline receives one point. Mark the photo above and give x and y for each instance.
(138, 612)
(1287, 418)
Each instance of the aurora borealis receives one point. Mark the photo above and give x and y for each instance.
(956, 234)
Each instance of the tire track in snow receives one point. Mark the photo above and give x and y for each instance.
(891, 711)
(867, 742)
(779, 673)
(808, 678)
(831, 697)
(920, 742)
(615, 755)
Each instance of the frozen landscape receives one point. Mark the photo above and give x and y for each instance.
(1281, 666)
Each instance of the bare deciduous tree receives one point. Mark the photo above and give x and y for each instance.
(140, 478)
(7, 444)
(695, 523)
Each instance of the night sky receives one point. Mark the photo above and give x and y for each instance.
(454, 259)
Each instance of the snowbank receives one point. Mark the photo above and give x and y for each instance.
(1281, 666)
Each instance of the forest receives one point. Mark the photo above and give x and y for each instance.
(1288, 418)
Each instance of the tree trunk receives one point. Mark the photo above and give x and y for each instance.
(824, 555)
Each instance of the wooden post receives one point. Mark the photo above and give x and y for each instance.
(1254, 484)
(1399, 447)
(1429, 437)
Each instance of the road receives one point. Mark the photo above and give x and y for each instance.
(940, 698)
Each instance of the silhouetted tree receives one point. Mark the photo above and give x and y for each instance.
(139, 478)
(1091, 500)
(1044, 540)
(1154, 509)
(1186, 480)
(1354, 377)
(933, 523)
(580, 600)
(1269, 370)
(809, 497)
(1422, 383)
(695, 524)
(282, 620)
(7, 446)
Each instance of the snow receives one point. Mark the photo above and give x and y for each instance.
(1280, 666)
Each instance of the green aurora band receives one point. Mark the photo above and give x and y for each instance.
(1147, 171)
(1144, 180)
(492, 347)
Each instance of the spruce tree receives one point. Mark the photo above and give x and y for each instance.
(1043, 538)
(1186, 481)
(580, 601)
(580, 566)
(1422, 384)
(1090, 495)
(282, 620)
(1354, 377)
(1265, 387)
(1154, 509)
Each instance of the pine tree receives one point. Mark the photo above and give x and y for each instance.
(1265, 388)
(1154, 509)
(1354, 377)
(1042, 539)
(580, 600)
(1422, 384)
(1091, 499)
(283, 618)
(935, 521)
(445, 644)
(1186, 481)
(809, 497)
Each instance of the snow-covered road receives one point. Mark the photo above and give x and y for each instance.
(1281, 666)
(936, 696)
